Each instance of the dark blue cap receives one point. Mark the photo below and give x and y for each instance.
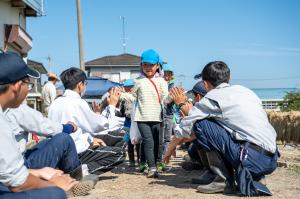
(198, 76)
(13, 68)
(199, 88)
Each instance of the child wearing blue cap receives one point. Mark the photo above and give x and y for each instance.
(151, 92)
(126, 104)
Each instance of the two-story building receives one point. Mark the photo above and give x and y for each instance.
(115, 68)
(13, 15)
(14, 36)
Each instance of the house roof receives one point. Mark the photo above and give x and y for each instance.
(37, 66)
(115, 60)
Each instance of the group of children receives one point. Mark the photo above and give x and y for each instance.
(227, 127)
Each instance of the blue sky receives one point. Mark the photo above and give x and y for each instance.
(258, 39)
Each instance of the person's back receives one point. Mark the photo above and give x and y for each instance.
(230, 124)
(49, 91)
(242, 113)
(47, 88)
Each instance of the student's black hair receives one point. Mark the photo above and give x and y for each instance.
(216, 73)
(71, 77)
(4, 88)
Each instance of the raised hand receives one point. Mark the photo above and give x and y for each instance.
(96, 107)
(178, 95)
(114, 96)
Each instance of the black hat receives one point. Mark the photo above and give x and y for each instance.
(198, 76)
(199, 88)
(13, 68)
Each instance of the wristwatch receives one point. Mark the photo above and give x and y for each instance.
(181, 105)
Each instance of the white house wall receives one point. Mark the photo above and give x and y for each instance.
(10, 15)
(117, 74)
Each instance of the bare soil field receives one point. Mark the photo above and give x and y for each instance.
(127, 183)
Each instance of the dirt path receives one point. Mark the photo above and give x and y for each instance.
(126, 183)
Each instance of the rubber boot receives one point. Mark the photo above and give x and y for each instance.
(224, 182)
(206, 175)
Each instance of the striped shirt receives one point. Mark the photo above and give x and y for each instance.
(148, 106)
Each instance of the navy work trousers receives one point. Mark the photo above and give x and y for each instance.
(57, 152)
(211, 136)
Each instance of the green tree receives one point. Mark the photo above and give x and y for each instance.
(293, 102)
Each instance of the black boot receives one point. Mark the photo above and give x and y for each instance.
(206, 175)
(224, 182)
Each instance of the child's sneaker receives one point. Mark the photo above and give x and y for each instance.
(152, 173)
(161, 166)
(144, 167)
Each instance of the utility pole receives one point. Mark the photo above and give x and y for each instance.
(123, 38)
(80, 36)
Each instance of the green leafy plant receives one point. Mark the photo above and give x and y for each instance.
(292, 102)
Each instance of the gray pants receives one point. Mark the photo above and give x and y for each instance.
(168, 129)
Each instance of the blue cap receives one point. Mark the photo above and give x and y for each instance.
(13, 68)
(199, 88)
(150, 56)
(167, 67)
(129, 82)
(161, 62)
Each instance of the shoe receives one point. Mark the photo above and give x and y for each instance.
(217, 186)
(161, 166)
(77, 173)
(152, 173)
(143, 167)
(206, 177)
(91, 177)
(81, 189)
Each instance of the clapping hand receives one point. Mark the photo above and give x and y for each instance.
(178, 95)
(114, 96)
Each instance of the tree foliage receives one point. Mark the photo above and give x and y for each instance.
(293, 102)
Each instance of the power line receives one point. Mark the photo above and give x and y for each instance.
(249, 79)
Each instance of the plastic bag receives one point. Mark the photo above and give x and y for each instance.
(135, 135)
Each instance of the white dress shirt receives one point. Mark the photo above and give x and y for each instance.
(238, 110)
(12, 170)
(71, 107)
(48, 94)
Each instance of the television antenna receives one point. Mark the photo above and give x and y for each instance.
(49, 59)
(123, 38)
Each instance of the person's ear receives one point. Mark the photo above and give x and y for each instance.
(208, 86)
(78, 86)
(16, 86)
(205, 83)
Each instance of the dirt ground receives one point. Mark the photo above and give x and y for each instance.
(127, 183)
